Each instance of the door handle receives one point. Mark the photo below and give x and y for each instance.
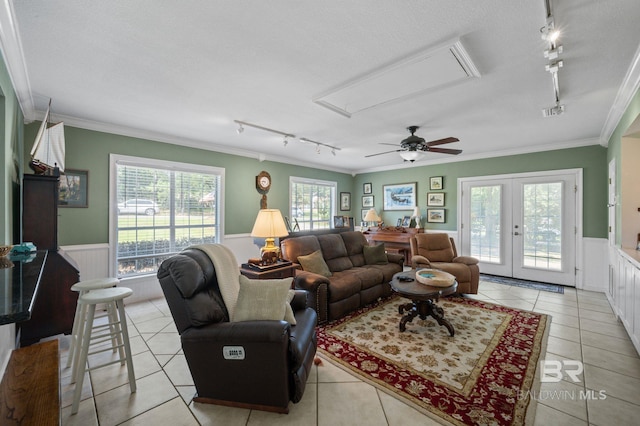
(516, 233)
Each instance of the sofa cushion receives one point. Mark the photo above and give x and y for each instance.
(334, 252)
(315, 263)
(375, 255)
(355, 241)
(344, 284)
(369, 276)
(262, 300)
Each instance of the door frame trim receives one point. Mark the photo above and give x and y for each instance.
(578, 175)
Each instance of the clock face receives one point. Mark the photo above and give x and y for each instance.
(264, 181)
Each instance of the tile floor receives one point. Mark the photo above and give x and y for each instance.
(583, 328)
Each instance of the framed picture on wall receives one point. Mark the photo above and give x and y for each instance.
(435, 216)
(367, 201)
(400, 196)
(345, 201)
(435, 182)
(367, 188)
(435, 199)
(74, 188)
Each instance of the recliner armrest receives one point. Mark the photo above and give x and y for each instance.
(309, 281)
(299, 301)
(420, 260)
(467, 260)
(395, 258)
(238, 332)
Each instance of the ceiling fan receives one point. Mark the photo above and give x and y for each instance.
(411, 148)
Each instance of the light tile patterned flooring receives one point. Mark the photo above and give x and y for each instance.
(583, 328)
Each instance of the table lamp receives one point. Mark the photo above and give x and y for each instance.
(269, 225)
(417, 216)
(371, 216)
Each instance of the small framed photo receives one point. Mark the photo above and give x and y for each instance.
(363, 214)
(399, 224)
(341, 221)
(367, 188)
(345, 201)
(74, 188)
(406, 221)
(435, 216)
(435, 199)
(367, 201)
(435, 182)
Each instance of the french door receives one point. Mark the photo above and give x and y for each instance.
(522, 226)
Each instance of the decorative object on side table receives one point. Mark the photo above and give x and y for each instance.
(417, 216)
(269, 225)
(401, 196)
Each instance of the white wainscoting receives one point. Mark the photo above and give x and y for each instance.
(594, 275)
(623, 291)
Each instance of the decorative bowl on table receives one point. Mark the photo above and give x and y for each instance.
(434, 277)
(4, 250)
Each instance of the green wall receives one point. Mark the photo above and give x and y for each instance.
(11, 131)
(89, 150)
(592, 159)
(615, 152)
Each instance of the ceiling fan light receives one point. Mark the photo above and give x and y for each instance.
(411, 155)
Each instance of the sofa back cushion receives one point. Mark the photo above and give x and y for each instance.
(354, 242)
(299, 246)
(334, 252)
(436, 247)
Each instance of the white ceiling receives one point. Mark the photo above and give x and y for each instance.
(183, 71)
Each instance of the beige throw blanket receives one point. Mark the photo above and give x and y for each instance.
(226, 271)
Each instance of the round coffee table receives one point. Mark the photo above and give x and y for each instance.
(423, 298)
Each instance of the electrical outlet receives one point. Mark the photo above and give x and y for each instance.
(233, 352)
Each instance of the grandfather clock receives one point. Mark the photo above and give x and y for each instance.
(55, 303)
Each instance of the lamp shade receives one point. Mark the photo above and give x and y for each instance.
(269, 224)
(371, 216)
(416, 212)
(411, 155)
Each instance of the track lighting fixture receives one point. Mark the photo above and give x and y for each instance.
(551, 34)
(286, 136)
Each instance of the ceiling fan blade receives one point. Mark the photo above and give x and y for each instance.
(442, 141)
(380, 153)
(444, 150)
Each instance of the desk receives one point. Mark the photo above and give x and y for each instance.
(394, 238)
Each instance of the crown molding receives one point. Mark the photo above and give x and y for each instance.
(14, 59)
(626, 92)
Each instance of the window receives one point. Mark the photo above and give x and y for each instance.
(312, 203)
(160, 208)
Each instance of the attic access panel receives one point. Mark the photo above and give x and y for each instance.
(429, 70)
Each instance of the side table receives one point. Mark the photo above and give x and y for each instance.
(284, 271)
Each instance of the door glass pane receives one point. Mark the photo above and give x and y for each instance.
(485, 223)
(542, 226)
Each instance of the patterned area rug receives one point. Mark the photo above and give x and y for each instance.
(536, 285)
(479, 376)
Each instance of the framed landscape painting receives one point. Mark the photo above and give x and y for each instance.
(400, 196)
(74, 188)
(435, 215)
(345, 201)
(435, 199)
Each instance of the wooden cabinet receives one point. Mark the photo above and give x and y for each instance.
(396, 239)
(624, 290)
(54, 304)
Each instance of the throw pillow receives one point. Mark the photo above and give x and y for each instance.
(375, 255)
(262, 300)
(288, 312)
(315, 263)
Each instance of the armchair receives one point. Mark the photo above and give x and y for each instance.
(251, 364)
(438, 251)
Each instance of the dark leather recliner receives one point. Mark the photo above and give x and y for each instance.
(278, 356)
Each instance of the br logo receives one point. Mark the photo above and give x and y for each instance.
(552, 371)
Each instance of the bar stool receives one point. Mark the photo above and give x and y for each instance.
(83, 287)
(113, 297)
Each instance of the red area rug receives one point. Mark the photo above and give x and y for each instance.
(482, 375)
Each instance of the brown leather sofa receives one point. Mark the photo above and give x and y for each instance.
(353, 283)
(438, 251)
(278, 356)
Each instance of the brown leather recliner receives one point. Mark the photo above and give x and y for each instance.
(278, 356)
(438, 251)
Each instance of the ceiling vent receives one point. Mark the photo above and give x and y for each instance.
(426, 71)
